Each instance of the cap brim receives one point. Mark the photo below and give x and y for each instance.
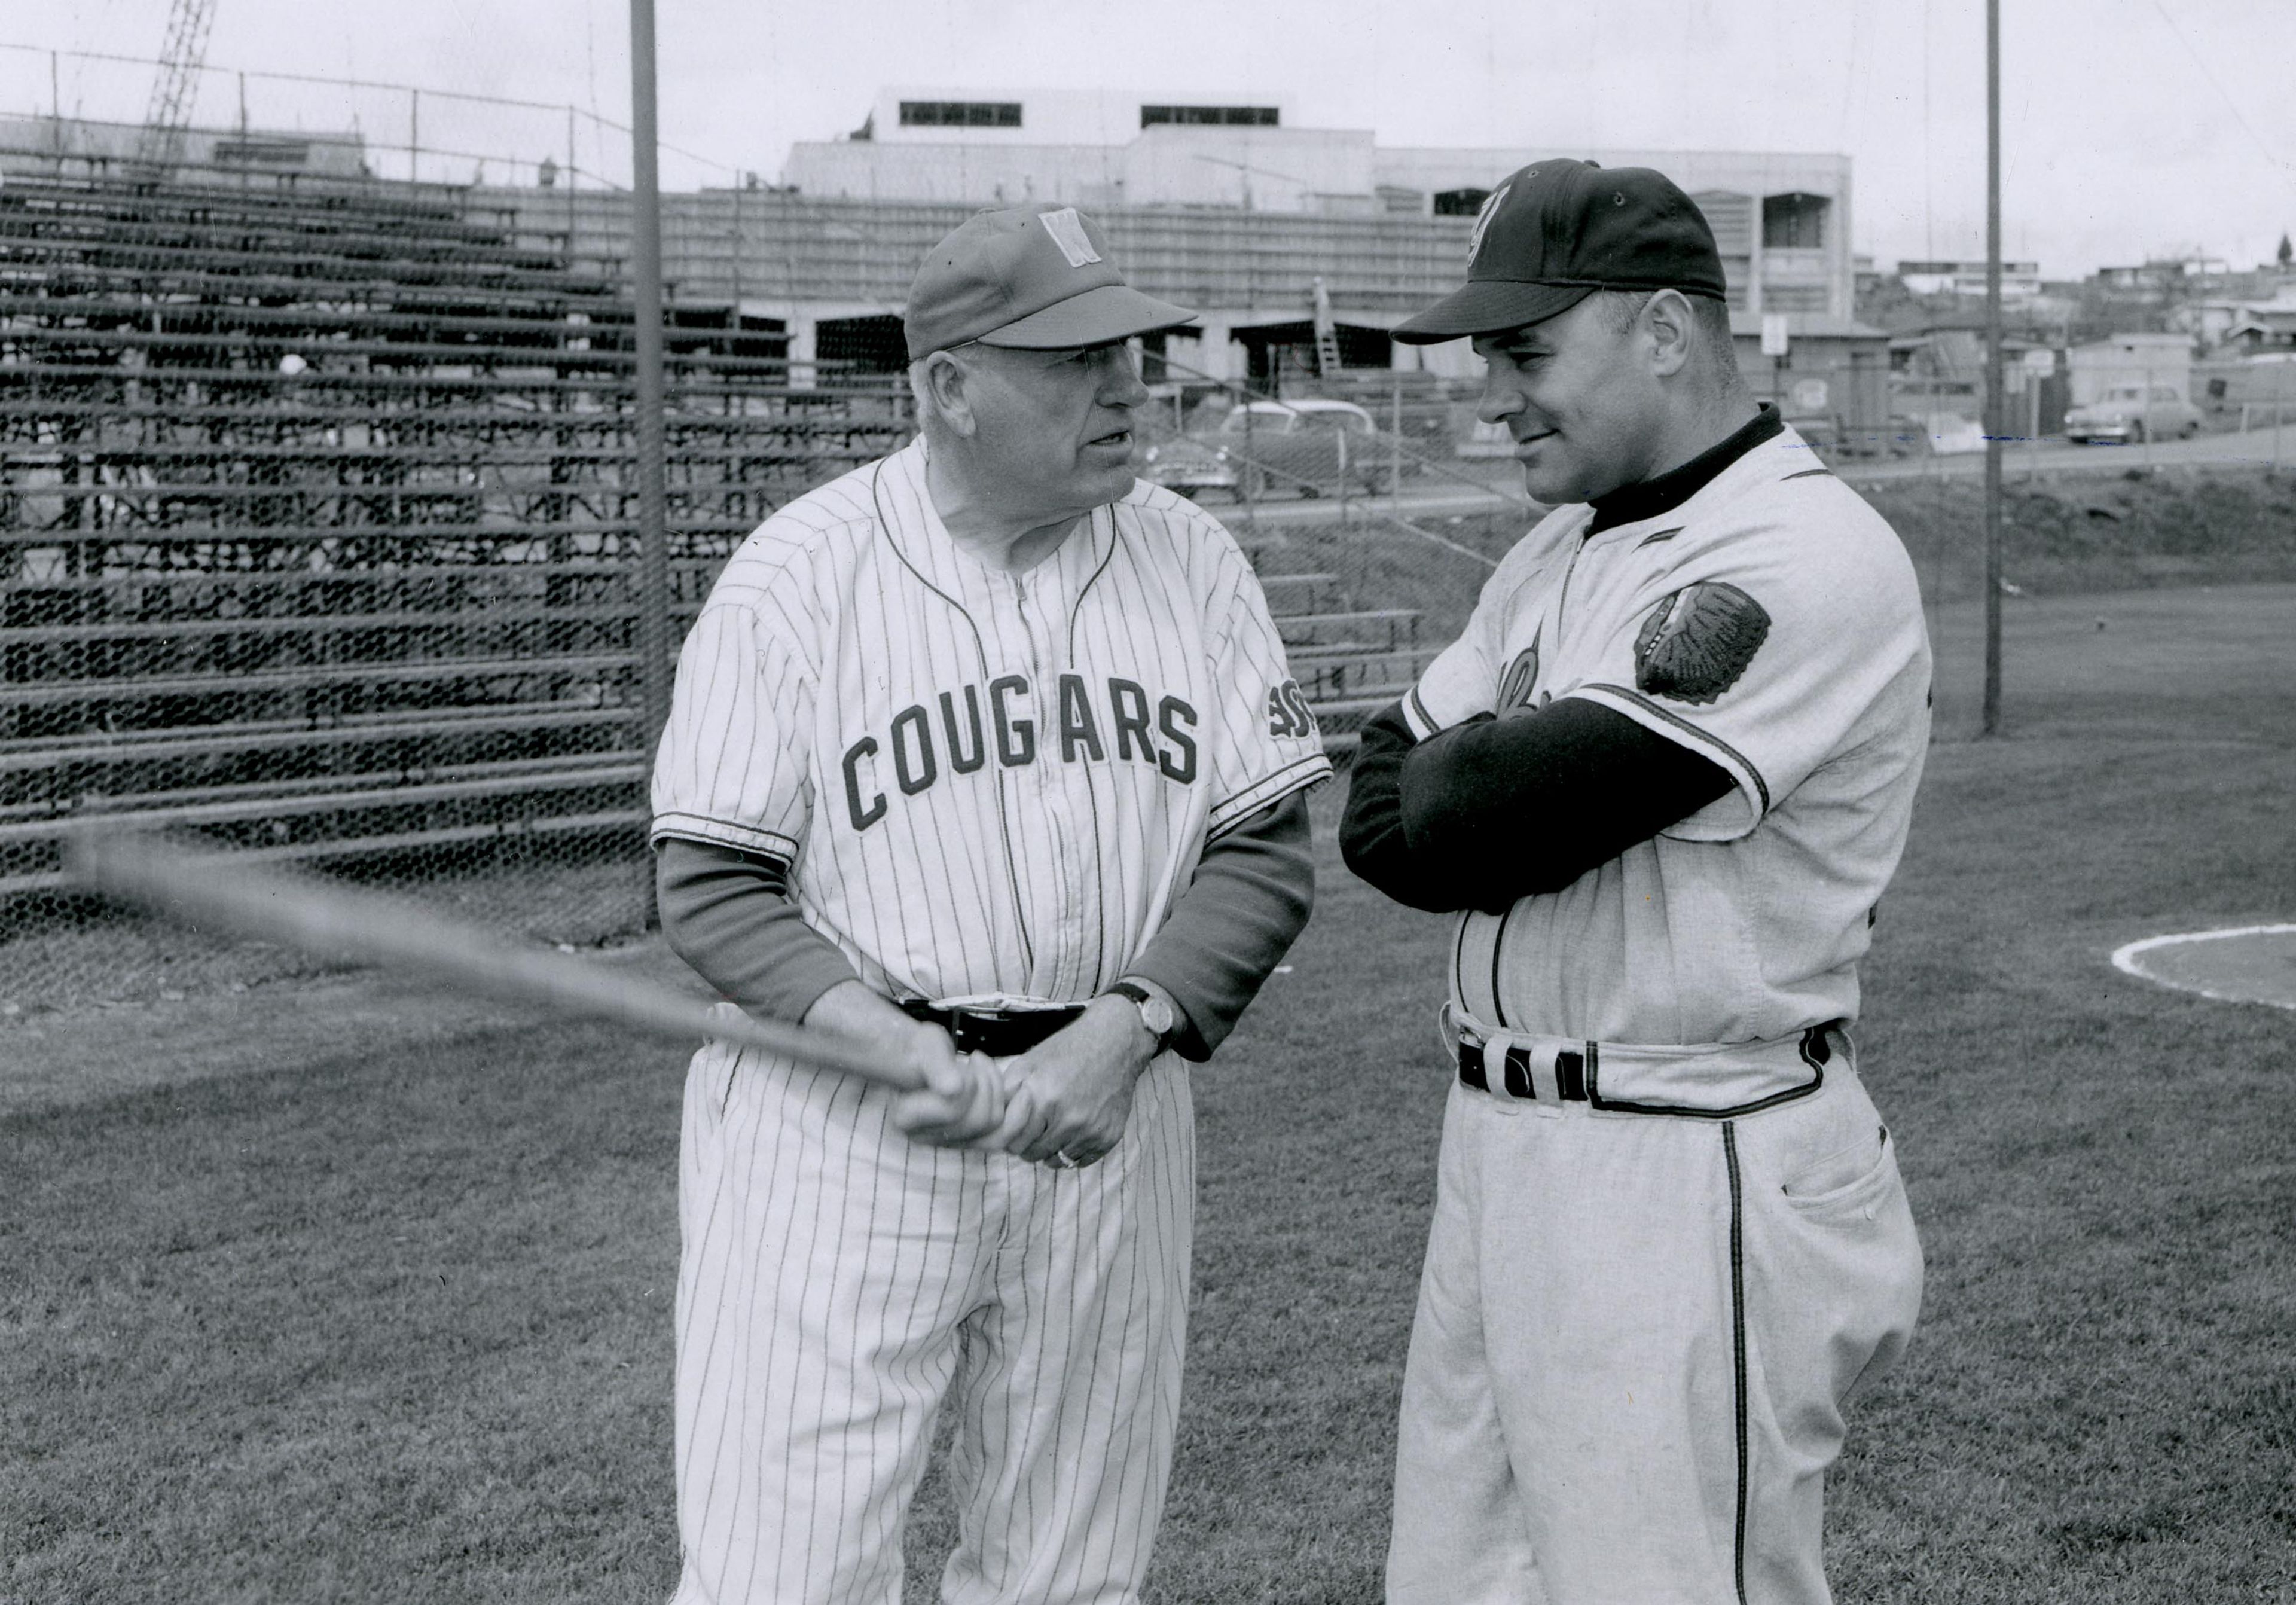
(1108, 312)
(1489, 307)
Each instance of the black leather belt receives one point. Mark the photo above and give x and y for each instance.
(999, 1033)
(1572, 1065)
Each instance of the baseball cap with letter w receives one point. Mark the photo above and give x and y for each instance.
(1035, 278)
(1555, 232)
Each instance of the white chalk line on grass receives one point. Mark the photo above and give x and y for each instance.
(2124, 958)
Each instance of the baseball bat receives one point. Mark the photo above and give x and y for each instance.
(327, 918)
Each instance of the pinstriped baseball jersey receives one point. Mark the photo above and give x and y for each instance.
(987, 784)
(1772, 624)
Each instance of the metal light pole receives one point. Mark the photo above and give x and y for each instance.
(654, 495)
(1995, 421)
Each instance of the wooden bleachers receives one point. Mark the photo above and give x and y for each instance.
(318, 525)
(1349, 661)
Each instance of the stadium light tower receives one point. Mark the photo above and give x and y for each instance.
(161, 145)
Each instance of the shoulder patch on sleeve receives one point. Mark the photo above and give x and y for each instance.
(1288, 712)
(1696, 642)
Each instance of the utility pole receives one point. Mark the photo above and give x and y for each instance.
(1995, 423)
(654, 493)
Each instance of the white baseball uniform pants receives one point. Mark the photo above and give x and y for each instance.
(838, 1282)
(1634, 1337)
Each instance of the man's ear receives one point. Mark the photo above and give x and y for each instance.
(948, 382)
(1673, 328)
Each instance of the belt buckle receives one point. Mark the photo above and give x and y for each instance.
(986, 1030)
(1004, 1033)
(966, 1029)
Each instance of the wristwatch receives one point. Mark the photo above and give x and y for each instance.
(1156, 1014)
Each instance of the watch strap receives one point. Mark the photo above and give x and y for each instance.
(1141, 997)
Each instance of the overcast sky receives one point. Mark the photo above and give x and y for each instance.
(2126, 135)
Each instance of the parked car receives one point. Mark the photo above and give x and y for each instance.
(2134, 411)
(1297, 445)
(1189, 464)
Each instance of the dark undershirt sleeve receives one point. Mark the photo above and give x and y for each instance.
(1238, 916)
(728, 915)
(1492, 810)
(1371, 829)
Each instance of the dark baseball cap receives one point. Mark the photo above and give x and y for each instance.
(1555, 232)
(1037, 278)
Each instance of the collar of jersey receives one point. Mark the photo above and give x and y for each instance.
(939, 554)
(1656, 498)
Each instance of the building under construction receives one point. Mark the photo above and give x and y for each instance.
(1228, 211)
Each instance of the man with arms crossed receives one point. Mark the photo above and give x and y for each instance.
(1663, 778)
(986, 749)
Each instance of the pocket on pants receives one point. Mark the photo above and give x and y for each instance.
(1836, 1247)
(1848, 1183)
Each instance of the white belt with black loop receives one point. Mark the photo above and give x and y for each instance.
(1712, 1081)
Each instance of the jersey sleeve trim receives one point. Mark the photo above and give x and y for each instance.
(1415, 714)
(723, 833)
(1275, 787)
(1644, 711)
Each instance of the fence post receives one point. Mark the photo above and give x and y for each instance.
(569, 186)
(414, 133)
(1246, 479)
(1395, 443)
(2032, 426)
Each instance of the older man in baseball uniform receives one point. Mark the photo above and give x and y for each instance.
(1663, 778)
(985, 755)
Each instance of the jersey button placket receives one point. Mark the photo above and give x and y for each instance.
(1056, 914)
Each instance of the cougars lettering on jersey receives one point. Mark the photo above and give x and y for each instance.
(1772, 624)
(1001, 781)
(919, 750)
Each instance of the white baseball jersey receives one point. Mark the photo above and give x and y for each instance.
(1772, 624)
(987, 784)
(1641, 1406)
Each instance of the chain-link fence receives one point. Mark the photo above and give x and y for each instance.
(1372, 532)
(318, 538)
(318, 541)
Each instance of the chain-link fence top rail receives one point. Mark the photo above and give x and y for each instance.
(82, 106)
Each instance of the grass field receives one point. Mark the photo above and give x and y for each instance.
(322, 1293)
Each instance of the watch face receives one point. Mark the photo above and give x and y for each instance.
(1158, 1015)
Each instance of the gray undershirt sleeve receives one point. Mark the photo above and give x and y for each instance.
(1227, 931)
(728, 915)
